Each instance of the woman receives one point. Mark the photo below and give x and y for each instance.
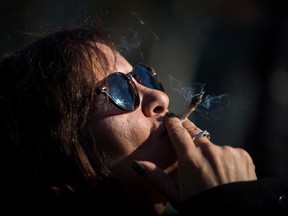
(78, 120)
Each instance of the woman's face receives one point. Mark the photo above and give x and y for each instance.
(132, 135)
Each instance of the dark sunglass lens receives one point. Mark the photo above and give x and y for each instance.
(146, 78)
(121, 92)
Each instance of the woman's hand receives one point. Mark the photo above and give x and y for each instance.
(201, 164)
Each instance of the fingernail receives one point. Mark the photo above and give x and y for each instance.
(139, 168)
(171, 115)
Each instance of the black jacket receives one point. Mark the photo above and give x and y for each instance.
(262, 195)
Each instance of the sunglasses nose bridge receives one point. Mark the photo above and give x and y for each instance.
(137, 79)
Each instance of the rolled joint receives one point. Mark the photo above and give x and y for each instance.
(190, 106)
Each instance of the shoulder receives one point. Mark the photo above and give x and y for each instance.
(259, 194)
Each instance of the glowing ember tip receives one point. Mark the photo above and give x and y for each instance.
(191, 105)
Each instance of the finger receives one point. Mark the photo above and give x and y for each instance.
(179, 136)
(191, 128)
(196, 133)
(156, 177)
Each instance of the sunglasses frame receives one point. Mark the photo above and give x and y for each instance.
(130, 82)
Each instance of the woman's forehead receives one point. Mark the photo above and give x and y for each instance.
(116, 62)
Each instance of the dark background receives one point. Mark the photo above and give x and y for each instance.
(237, 49)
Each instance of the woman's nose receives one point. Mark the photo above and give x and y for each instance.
(153, 102)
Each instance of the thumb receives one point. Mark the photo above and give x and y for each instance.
(160, 180)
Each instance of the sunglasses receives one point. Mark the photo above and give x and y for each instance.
(122, 90)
